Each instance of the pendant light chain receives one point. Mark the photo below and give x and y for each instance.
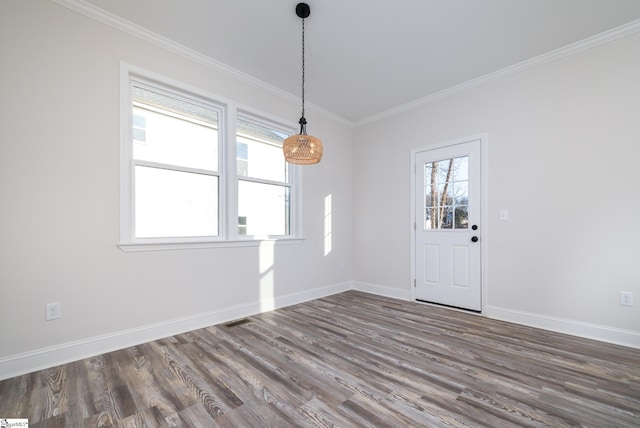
(302, 119)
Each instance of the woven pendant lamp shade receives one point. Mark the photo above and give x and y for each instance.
(302, 149)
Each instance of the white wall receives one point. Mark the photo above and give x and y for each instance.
(59, 184)
(564, 139)
(563, 153)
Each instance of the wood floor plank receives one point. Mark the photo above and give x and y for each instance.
(350, 360)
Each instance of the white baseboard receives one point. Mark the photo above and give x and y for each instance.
(15, 365)
(576, 328)
(382, 290)
(601, 333)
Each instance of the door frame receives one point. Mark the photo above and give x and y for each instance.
(484, 146)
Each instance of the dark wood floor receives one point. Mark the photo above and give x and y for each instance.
(347, 360)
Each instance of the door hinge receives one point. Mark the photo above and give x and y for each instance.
(414, 283)
(414, 225)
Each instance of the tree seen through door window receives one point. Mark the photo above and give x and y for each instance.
(446, 191)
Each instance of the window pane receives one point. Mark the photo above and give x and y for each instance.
(260, 152)
(438, 218)
(432, 196)
(139, 135)
(175, 204)
(242, 156)
(429, 217)
(139, 122)
(428, 174)
(429, 198)
(264, 209)
(461, 168)
(462, 217)
(461, 193)
(445, 170)
(439, 194)
(242, 225)
(176, 132)
(446, 218)
(436, 172)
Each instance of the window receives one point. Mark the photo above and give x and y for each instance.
(175, 166)
(185, 181)
(263, 184)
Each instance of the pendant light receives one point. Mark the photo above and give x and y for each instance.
(302, 149)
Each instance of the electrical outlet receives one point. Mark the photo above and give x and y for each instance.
(53, 311)
(626, 298)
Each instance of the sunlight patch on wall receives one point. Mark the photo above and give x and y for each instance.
(266, 264)
(327, 225)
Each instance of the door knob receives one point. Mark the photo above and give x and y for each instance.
(474, 227)
(474, 239)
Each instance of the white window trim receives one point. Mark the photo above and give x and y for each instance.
(228, 181)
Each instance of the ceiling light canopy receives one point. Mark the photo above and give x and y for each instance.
(302, 149)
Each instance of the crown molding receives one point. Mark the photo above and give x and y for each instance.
(98, 14)
(128, 27)
(565, 51)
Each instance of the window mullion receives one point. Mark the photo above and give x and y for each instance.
(231, 174)
(160, 165)
(264, 181)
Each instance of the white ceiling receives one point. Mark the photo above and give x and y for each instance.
(365, 57)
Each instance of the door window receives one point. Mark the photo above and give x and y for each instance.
(446, 194)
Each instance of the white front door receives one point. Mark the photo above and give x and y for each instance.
(447, 246)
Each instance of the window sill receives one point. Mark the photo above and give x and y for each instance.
(170, 246)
